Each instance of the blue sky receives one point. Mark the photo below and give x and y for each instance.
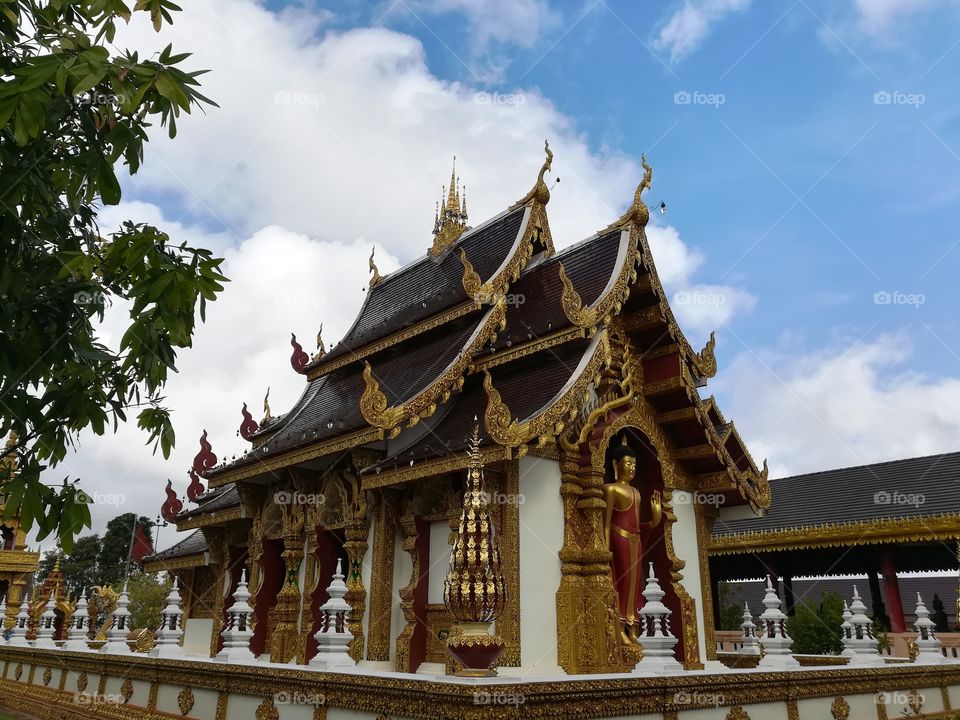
(809, 154)
(799, 186)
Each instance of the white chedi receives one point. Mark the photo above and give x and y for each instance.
(171, 626)
(863, 647)
(237, 632)
(749, 642)
(18, 633)
(47, 625)
(928, 644)
(77, 634)
(846, 630)
(654, 633)
(117, 634)
(777, 644)
(333, 638)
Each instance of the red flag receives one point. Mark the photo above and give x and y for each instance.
(141, 545)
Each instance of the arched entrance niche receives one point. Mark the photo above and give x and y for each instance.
(655, 470)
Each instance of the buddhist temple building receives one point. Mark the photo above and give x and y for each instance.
(485, 503)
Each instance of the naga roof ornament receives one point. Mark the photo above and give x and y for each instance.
(249, 426)
(540, 193)
(375, 276)
(298, 358)
(637, 214)
(450, 216)
(172, 506)
(195, 489)
(321, 348)
(205, 459)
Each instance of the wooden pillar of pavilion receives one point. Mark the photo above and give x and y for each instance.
(898, 623)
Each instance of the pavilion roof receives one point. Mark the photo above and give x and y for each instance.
(191, 550)
(911, 499)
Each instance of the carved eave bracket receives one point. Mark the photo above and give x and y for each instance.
(376, 408)
(551, 420)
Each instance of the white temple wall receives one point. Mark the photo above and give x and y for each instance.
(439, 560)
(541, 537)
(685, 546)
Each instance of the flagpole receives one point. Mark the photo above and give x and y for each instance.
(133, 539)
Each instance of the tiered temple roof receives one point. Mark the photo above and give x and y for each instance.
(494, 323)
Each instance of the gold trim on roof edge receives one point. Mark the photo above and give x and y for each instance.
(551, 421)
(607, 304)
(375, 407)
(198, 521)
(292, 457)
(860, 532)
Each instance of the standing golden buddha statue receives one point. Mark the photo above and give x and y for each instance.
(623, 530)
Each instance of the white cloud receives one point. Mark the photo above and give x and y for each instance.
(514, 22)
(877, 17)
(690, 23)
(846, 406)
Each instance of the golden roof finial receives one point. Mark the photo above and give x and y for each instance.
(476, 460)
(452, 204)
(321, 348)
(450, 219)
(540, 192)
(266, 409)
(375, 278)
(637, 212)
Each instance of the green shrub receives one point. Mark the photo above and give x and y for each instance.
(816, 629)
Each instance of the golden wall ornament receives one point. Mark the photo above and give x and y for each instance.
(381, 581)
(185, 701)
(267, 710)
(126, 690)
(737, 713)
(840, 709)
(81, 681)
(47, 676)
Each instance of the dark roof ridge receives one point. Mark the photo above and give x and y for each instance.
(866, 465)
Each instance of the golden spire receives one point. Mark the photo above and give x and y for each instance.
(266, 409)
(375, 278)
(450, 218)
(321, 348)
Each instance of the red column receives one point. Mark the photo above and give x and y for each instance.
(892, 592)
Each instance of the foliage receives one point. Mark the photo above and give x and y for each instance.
(79, 568)
(148, 593)
(116, 546)
(70, 110)
(815, 629)
(730, 615)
